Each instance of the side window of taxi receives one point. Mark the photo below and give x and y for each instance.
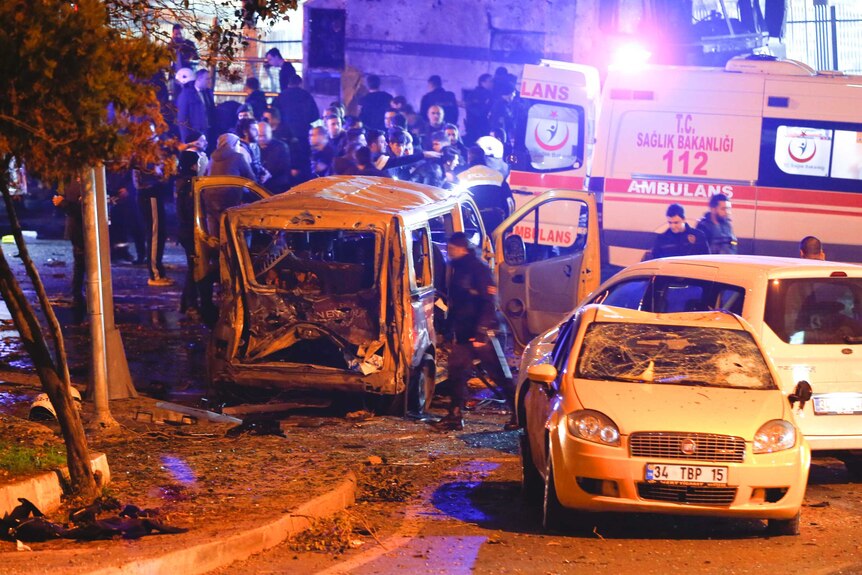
(565, 340)
(678, 294)
(628, 294)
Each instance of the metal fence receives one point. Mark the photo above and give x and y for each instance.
(825, 37)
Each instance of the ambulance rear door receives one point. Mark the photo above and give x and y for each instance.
(554, 129)
(547, 260)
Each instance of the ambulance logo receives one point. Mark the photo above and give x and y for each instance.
(548, 135)
(802, 150)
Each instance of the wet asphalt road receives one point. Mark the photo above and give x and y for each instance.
(473, 520)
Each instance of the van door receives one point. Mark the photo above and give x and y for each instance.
(547, 260)
(242, 191)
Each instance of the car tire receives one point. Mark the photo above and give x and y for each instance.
(392, 404)
(532, 484)
(553, 512)
(421, 389)
(783, 526)
(853, 464)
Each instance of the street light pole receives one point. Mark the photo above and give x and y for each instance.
(106, 342)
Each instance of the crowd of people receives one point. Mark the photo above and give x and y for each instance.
(285, 140)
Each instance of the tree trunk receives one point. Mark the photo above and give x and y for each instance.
(27, 323)
(36, 280)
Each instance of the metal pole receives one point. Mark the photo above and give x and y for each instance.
(726, 18)
(95, 303)
(834, 21)
(119, 379)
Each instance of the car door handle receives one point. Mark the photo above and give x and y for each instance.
(568, 270)
(518, 279)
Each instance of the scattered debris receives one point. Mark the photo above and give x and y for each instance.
(328, 535)
(257, 426)
(361, 415)
(28, 523)
(199, 413)
(377, 482)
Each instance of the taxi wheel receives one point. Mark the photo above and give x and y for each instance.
(532, 485)
(553, 512)
(783, 526)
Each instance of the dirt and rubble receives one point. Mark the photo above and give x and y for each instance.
(202, 477)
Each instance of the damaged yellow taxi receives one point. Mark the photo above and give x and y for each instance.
(630, 411)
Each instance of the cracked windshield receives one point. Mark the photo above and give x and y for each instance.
(675, 355)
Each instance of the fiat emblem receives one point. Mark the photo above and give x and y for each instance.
(688, 446)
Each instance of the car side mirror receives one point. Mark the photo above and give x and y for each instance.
(514, 250)
(544, 374)
(802, 394)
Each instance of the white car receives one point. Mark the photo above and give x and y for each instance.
(807, 314)
(630, 411)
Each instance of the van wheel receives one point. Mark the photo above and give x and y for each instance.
(553, 512)
(385, 404)
(783, 526)
(532, 485)
(421, 389)
(853, 463)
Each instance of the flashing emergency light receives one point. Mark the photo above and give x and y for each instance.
(630, 55)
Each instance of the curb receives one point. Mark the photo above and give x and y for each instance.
(46, 489)
(206, 557)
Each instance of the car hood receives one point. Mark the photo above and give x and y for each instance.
(661, 407)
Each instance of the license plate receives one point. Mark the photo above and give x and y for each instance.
(685, 474)
(838, 404)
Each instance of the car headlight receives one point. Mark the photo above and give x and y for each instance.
(593, 426)
(775, 435)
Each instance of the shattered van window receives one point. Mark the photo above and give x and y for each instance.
(673, 355)
(320, 261)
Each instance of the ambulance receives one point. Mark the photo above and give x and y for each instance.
(555, 128)
(782, 141)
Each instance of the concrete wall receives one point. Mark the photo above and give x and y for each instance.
(406, 41)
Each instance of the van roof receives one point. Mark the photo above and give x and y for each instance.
(356, 194)
(772, 266)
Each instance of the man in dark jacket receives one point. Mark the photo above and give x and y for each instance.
(472, 322)
(717, 227)
(191, 163)
(680, 239)
(297, 107)
(195, 106)
(255, 97)
(69, 200)
(478, 107)
(285, 69)
(275, 157)
(374, 104)
(437, 96)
